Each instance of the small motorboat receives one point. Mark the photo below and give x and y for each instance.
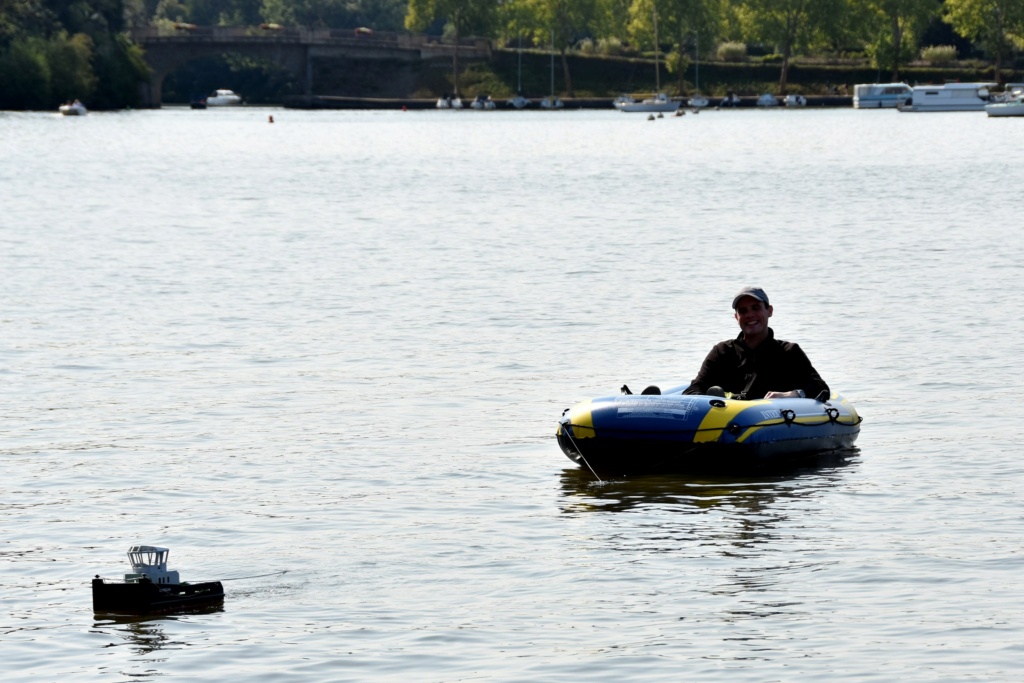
(150, 588)
(551, 103)
(447, 101)
(223, 98)
(767, 100)
(674, 433)
(660, 102)
(75, 108)
(698, 102)
(730, 100)
(796, 101)
(1011, 107)
(518, 102)
(483, 103)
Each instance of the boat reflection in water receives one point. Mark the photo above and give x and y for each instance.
(691, 493)
(740, 549)
(147, 634)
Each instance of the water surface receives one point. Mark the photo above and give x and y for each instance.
(324, 358)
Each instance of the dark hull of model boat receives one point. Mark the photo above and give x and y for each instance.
(151, 598)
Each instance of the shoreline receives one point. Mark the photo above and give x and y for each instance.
(340, 102)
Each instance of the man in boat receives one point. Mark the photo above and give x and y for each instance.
(755, 364)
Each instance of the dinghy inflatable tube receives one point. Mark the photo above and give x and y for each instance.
(637, 434)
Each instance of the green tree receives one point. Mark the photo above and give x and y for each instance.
(993, 23)
(25, 75)
(644, 29)
(693, 26)
(788, 25)
(611, 18)
(71, 71)
(894, 27)
(462, 16)
(25, 18)
(55, 50)
(561, 22)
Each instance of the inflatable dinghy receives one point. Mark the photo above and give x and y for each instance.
(673, 433)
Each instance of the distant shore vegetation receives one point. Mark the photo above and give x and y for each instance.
(55, 50)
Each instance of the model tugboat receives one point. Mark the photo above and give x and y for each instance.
(150, 588)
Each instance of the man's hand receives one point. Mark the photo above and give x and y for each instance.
(783, 394)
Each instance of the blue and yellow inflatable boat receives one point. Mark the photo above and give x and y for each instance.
(673, 433)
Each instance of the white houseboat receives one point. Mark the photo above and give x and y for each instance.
(880, 95)
(949, 97)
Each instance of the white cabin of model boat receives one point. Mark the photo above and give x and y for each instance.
(150, 561)
(949, 97)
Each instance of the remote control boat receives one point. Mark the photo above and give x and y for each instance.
(150, 588)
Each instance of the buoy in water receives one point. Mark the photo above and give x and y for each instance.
(270, 119)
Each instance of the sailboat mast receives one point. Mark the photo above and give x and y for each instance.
(657, 71)
(552, 66)
(519, 78)
(696, 60)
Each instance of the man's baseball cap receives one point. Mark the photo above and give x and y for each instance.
(755, 292)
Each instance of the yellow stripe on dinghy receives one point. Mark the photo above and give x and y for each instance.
(717, 419)
(582, 421)
(850, 420)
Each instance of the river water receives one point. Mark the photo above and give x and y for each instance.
(322, 360)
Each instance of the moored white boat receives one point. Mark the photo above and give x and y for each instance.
(767, 100)
(75, 108)
(518, 102)
(449, 102)
(659, 103)
(697, 102)
(880, 95)
(483, 102)
(730, 100)
(551, 103)
(796, 101)
(948, 97)
(223, 98)
(1011, 107)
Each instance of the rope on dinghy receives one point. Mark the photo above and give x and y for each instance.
(578, 451)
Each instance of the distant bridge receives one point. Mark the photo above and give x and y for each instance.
(293, 48)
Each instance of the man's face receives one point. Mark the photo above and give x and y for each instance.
(752, 316)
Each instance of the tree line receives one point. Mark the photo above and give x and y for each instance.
(55, 50)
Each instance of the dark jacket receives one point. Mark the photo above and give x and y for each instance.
(775, 365)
